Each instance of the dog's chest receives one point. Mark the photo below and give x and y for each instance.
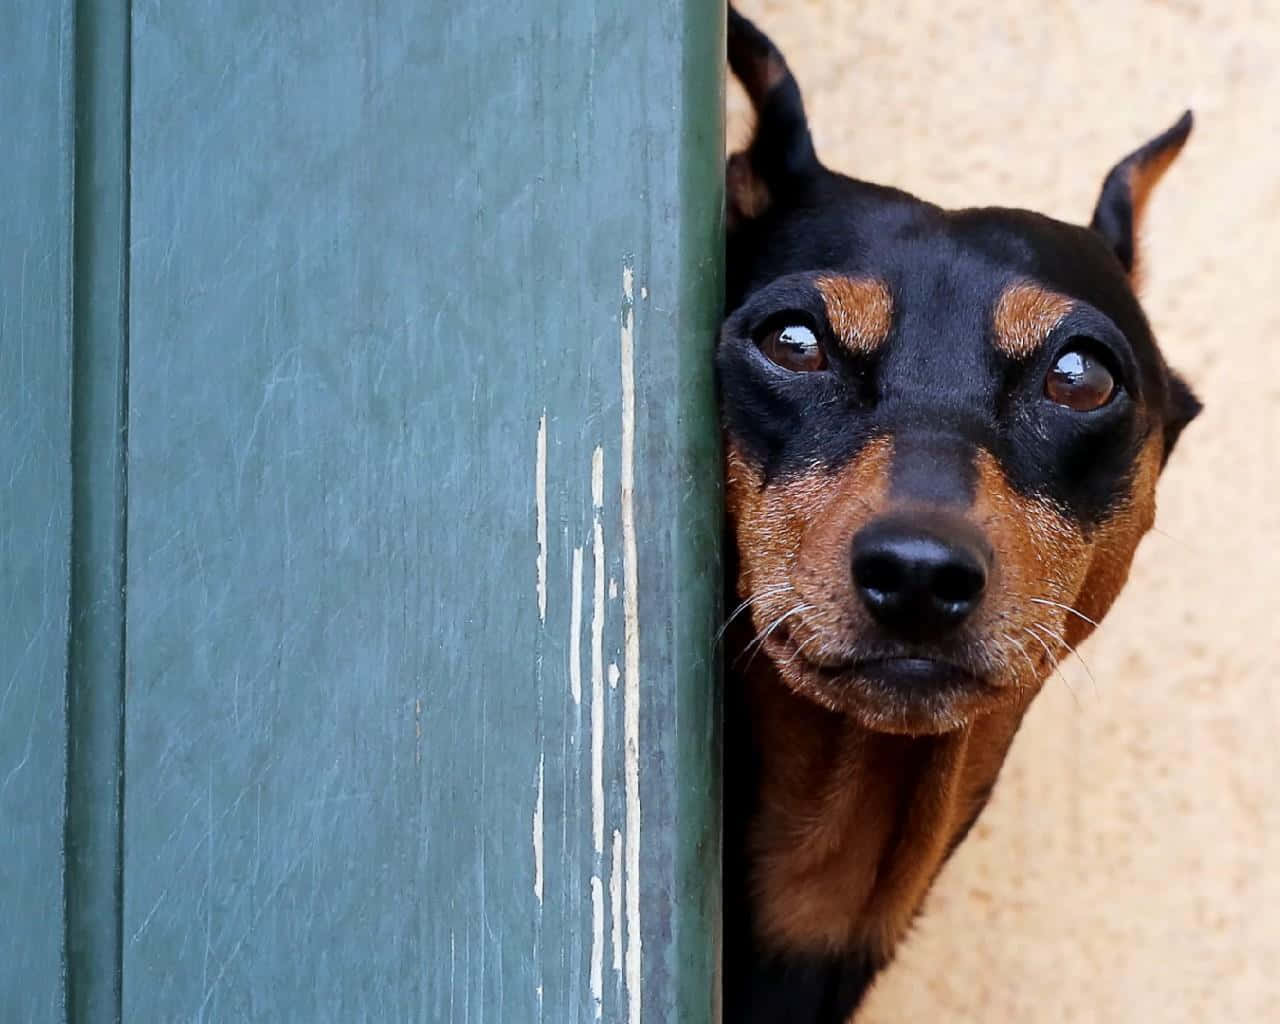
(850, 831)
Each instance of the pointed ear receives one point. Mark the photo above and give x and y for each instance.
(780, 156)
(1181, 407)
(1118, 215)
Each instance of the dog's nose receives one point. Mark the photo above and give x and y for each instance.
(920, 578)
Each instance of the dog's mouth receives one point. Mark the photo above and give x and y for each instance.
(910, 672)
(905, 677)
(900, 669)
(896, 690)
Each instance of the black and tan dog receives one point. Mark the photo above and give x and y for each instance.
(943, 433)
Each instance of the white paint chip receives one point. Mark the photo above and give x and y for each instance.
(597, 654)
(537, 836)
(597, 725)
(575, 628)
(540, 501)
(597, 944)
(614, 674)
(631, 650)
(615, 900)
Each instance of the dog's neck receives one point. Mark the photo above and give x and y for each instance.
(849, 827)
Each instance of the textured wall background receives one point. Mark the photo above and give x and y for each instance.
(1128, 868)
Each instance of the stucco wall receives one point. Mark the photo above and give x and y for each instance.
(1128, 867)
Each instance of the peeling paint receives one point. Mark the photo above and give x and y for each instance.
(597, 653)
(615, 900)
(614, 675)
(631, 649)
(537, 835)
(540, 501)
(597, 478)
(597, 726)
(575, 628)
(597, 944)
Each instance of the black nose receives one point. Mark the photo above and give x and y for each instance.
(920, 578)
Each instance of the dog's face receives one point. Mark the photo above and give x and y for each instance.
(943, 429)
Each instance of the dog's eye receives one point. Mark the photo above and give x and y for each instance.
(794, 347)
(1080, 381)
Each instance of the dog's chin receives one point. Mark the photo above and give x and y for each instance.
(904, 696)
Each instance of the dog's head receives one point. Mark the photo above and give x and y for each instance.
(943, 428)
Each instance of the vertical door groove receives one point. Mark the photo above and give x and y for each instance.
(99, 471)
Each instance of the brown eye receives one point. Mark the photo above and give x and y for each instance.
(795, 348)
(1079, 381)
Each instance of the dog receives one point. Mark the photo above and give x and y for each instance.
(942, 431)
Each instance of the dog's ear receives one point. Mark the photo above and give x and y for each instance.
(1118, 215)
(780, 158)
(1180, 407)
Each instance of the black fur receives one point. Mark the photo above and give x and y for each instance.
(821, 990)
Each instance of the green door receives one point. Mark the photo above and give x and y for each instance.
(361, 588)
(36, 114)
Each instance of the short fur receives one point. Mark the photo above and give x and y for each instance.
(849, 785)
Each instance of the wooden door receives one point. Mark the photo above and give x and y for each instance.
(361, 376)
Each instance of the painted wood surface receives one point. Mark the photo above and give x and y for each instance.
(95, 645)
(35, 497)
(422, 512)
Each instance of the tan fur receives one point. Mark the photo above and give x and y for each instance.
(792, 540)
(854, 822)
(1114, 544)
(1040, 555)
(1025, 316)
(860, 310)
(746, 194)
(1143, 178)
(760, 77)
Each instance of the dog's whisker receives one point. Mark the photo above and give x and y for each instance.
(1017, 645)
(757, 645)
(800, 646)
(1053, 663)
(774, 591)
(1063, 640)
(754, 647)
(1171, 538)
(1067, 608)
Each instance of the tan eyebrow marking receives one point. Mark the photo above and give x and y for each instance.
(1026, 314)
(860, 310)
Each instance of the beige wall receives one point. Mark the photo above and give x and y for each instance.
(1128, 868)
